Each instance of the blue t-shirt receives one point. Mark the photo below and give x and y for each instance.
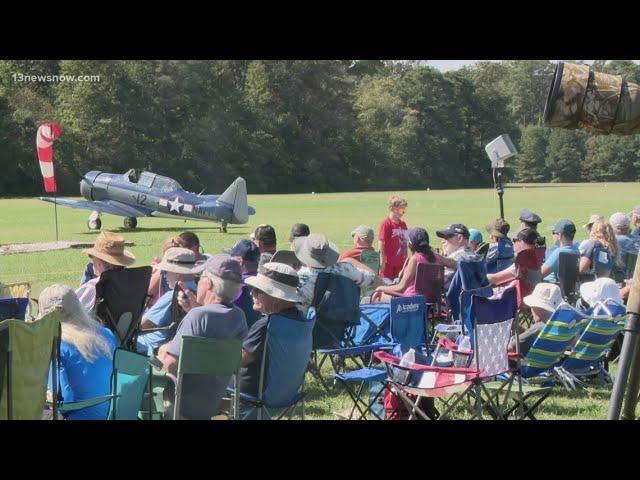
(160, 316)
(80, 380)
(553, 261)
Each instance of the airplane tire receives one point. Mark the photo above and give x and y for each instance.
(94, 224)
(223, 228)
(130, 222)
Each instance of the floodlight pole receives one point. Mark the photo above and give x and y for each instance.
(628, 375)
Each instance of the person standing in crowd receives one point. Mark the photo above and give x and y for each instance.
(392, 239)
(108, 253)
(563, 233)
(86, 353)
(362, 240)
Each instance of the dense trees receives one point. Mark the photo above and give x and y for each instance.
(298, 126)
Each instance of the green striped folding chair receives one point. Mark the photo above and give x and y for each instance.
(588, 355)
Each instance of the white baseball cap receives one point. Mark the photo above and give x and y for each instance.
(620, 220)
(546, 296)
(600, 290)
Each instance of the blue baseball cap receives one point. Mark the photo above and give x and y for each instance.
(564, 227)
(245, 249)
(475, 235)
(418, 237)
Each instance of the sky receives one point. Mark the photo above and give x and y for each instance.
(446, 65)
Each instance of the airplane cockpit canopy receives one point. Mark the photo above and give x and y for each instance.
(152, 180)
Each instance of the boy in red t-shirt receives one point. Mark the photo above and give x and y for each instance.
(392, 239)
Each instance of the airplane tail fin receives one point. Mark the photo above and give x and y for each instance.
(235, 197)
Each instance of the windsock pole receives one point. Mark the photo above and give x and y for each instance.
(55, 210)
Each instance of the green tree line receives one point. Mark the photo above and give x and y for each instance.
(298, 126)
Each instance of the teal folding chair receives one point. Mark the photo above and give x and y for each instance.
(128, 383)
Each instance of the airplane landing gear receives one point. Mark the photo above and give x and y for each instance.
(130, 222)
(94, 222)
(223, 227)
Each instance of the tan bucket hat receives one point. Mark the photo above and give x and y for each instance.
(109, 247)
(178, 260)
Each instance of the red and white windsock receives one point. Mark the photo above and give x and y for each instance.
(47, 133)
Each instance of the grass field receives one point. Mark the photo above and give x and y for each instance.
(335, 215)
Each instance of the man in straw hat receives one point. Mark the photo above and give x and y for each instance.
(108, 253)
(274, 292)
(210, 314)
(177, 263)
(317, 255)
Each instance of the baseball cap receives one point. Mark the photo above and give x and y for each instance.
(593, 219)
(620, 220)
(475, 235)
(418, 237)
(363, 232)
(245, 249)
(564, 227)
(222, 266)
(498, 228)
(453, 229)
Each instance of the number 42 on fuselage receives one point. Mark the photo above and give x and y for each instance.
(152, 195)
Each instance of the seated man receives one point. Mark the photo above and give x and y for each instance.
(108, 253)
(274, 293)
(497, 229)
(525, 240)
(627, 243)
(455, 246)
(543, 301)
(317, 255)
(210, 314)
(177, 263)
(563, 233)
(265, 238)
(362, 240)
(247, 253)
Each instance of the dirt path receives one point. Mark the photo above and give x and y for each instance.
(11, 249)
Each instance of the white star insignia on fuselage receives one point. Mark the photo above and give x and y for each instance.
(175, 205)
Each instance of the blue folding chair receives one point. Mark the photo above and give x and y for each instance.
(504, 256)
(284, 363)
(406, 330)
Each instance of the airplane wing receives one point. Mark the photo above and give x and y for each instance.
(110, 206)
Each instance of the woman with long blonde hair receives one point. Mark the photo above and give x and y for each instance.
(601, 236)
(86, 352)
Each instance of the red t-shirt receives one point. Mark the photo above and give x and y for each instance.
(395, 245)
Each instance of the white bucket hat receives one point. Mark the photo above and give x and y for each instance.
(178, 260)
(546, 296)
(600, 290)
(277, 280)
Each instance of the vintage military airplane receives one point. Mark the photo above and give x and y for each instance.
(152, 195)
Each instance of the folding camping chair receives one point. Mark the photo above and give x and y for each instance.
(588, 356)
(177, 314)
(568, 276)
(504, 256)
(200, 356)
(492, 323)
(13, 308)
(406, 329)
(128, 384)
(336, 311)
(121, 296)
(282, 371)
(27, 351)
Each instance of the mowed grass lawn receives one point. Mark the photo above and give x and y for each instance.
(335, 215)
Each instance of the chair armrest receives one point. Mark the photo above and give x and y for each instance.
(157, 329)
(352, 351)
(82, 404)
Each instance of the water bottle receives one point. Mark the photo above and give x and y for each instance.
(464, 346)
(407, 360)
